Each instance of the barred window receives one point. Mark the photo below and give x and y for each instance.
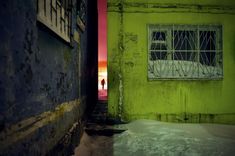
(81, 14)
(56, 15)
(185, 52)
(81, 10)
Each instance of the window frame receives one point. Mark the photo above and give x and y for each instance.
(169, 29)
(57, 16)
(81, 14)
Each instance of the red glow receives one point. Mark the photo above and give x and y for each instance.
(102, 47)
(102, 26)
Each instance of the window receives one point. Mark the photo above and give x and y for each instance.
(56, 15)
(81, 10)
(185, 52)
(81, 14)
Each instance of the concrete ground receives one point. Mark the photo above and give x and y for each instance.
(153, 138)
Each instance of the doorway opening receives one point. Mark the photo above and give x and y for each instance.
(102, 50)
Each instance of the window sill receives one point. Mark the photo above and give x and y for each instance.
(53, 28)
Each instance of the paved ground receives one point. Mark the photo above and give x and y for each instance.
(152, 138)
(102, 94)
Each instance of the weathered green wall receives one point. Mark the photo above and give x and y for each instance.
(133, 96)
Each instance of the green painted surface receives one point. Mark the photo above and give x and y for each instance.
(192, 101)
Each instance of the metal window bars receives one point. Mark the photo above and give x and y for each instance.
(81, 10)
(56, 15)
(185, 52)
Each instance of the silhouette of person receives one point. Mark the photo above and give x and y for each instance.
(103, 83)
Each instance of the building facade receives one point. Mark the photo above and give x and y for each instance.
(171, 60)
(48, 74)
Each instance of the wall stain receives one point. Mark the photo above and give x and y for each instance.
(131, 37)
(67, 58)
(120, 52)
(28, 74)
(129, 64)
(169, 7)
(29, 41)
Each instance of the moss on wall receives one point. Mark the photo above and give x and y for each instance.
(143, 98)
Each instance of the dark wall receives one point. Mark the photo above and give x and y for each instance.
(19, 58)
(39, 72)
(92, 48)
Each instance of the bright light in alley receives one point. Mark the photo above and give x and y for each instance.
(102, 75)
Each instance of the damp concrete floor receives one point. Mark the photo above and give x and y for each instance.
(153, 138)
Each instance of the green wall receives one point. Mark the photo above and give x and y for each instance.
(133, 96)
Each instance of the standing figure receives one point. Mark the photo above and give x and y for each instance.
(103, 83)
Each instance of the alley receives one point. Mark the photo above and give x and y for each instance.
(151, 138)
(117, 78)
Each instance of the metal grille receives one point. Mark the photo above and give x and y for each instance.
(56, 15)
(185, 52)
(81, 10)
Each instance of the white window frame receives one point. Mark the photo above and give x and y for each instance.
(168, 68)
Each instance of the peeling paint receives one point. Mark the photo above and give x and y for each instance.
(40, 80)
(121, 51)
(188, 101)
(147, 7)
(28, 126)
(120, 103)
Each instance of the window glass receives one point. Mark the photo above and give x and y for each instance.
(185, 52)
